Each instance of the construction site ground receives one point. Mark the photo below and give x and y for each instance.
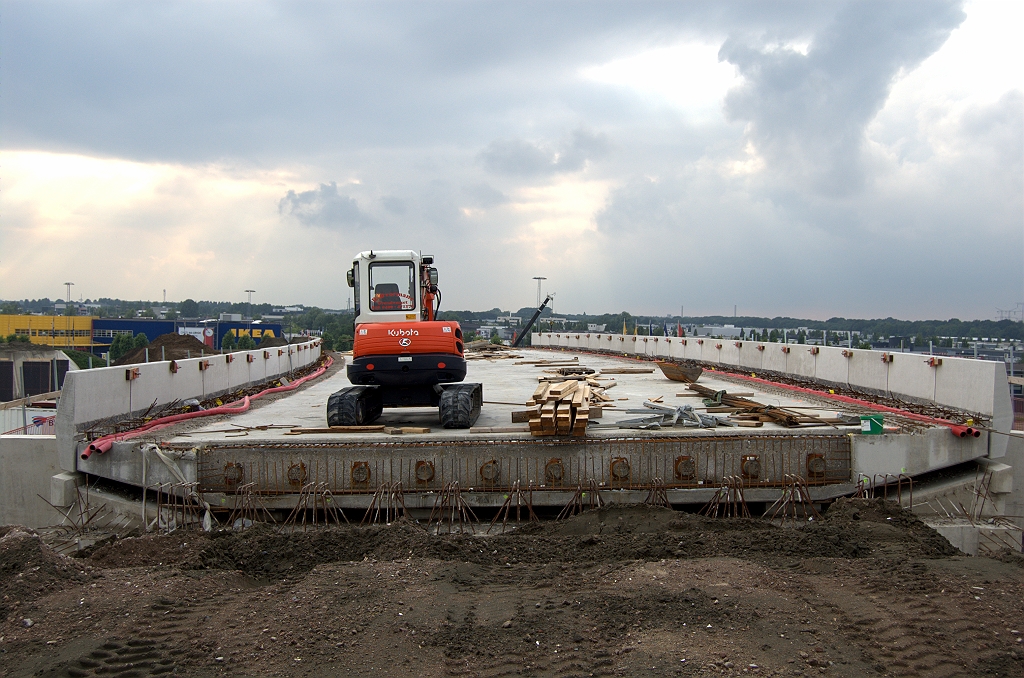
(625, 590)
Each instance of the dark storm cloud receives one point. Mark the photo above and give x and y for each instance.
(450, 115)
(808, 112)
(208, 81)
(324, 206)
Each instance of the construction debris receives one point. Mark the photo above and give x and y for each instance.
(742, 409)
(485, 350)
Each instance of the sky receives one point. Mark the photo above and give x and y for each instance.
(807, 159)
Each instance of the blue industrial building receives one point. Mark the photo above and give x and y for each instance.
(210, 332)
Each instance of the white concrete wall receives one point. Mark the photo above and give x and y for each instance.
(93, 395)
(973, 385)
(26, 466)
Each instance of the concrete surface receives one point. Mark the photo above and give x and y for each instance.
(26, 466)
(507, 387)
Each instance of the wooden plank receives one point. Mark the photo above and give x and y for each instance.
(522, 416)
(577, 396)
(339, 429)
(415, 429)
(750, 424)
(628, 370)
(563, 389)
(563, 418)
(547, 417)
(1019, 381)
(393, 430)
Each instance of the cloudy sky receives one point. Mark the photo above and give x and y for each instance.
(811, 159)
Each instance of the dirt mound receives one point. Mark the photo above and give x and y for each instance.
(599, 537)
(29, 568)
(271, 342)
(888, 527)
(173, 549)
(854, 529)
(175, 347)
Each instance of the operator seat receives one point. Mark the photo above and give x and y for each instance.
(386, 297)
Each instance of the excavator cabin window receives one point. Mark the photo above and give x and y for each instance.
(392, 286)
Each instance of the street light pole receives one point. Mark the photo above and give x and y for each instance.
(67, 313)
(538, 279)
(249, 292)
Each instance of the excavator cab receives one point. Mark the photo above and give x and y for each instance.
(402, 356)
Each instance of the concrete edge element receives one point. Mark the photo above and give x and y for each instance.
(90, 396)
(974, 386)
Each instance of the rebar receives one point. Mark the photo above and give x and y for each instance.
(249, 507)
(727, 500)
(582, 500)
(519, 499)
(795, 499)
(658, 495)
(387, 505)
(449, 507)
(314, 500)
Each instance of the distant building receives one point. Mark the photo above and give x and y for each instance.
(28, 370)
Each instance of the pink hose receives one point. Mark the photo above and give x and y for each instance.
(102, 445)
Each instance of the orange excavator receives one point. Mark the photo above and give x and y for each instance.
(402, 356)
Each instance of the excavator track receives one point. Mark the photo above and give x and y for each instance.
(354, 406)
(460, 405)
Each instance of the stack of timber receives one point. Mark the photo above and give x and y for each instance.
(561, 409)
(485, 350)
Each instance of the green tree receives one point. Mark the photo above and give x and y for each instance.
(10, 308)
(246, 343)
(189, 308)
(121, 344)
(801, 337)
(495, 339)
(343, 343)
(773, 336)
(227, 343)
(140, 340)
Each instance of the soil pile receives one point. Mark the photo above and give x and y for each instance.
(29, 568)
(623, 590)
(271, 342)
(175, 347)
(855, 529)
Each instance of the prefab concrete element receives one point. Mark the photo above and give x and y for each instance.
(692, 462)
(26, 465)
(91, 396)
(978, 539)
(976, 386)
(912, 454)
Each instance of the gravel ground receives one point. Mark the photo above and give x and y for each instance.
(631, 591)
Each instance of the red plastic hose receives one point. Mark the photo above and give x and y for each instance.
(102, 445)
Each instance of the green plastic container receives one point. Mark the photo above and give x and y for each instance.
(871, 424)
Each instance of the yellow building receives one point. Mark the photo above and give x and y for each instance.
(60, 331)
